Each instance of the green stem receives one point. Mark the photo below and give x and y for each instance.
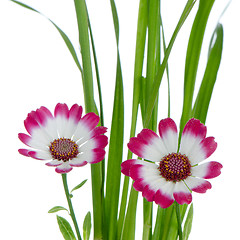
(179, 221)
(64, 179)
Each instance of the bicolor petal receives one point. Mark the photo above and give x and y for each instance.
(207, 170)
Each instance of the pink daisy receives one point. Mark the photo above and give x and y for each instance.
(66, 139)
(170, 174)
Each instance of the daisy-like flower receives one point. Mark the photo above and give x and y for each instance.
(66, 139)
(170, 174)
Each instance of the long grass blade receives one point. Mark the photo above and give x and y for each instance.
(126, 225)
(158, 78)
(63, 35)
(192, 57)
(115, 145)
(210, 76)
(96, 169)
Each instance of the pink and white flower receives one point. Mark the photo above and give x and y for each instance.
(170, 174)
(66, 138)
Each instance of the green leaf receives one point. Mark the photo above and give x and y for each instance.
(65, 228)
(79, 185)
(56, 209)
(115, 145)
(192, 57)
(87, 226)
(158, 78)
(188, 223)
(96, 169)
(210, 76)
(63, 35)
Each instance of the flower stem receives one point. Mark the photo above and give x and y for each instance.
(179, 221)
(64, 179)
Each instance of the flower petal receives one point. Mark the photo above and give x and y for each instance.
(149, 182)
(164, 196)
(193, 133)
(182, 194)
(40, 155)
(29, 141)
(79, 161)
(147, 145)
(92, 156)
(74, 117)
(207, 170)
(54, 163)
(75, 113)
(63, 168)
(99, 141)
(37, 133)
(201, 151)
(198, 185)
(24, 152)
(61, 114)
(47, 122)
(85, 126)
(169, 134)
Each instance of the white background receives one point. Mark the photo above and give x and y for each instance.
(36, 69)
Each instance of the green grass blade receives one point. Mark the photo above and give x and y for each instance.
(63, 35)
(115, 158)
(188, 223)
(82, 20)
(192, 57)
(96, 169)
(157, 81)
(138, 68)
(128, 232)
(115, 146)
(210, 76)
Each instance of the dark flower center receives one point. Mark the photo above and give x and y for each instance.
(63, 149)
(175, 167)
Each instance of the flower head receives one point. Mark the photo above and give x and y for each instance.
(66, 138)
(170, 174)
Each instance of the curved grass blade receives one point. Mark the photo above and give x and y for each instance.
(192, 57)
(63, 35)
(210, 76)
(65, 228)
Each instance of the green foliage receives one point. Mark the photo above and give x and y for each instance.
(65, 228)
(79, 185)
(210, 76)
(87, 226)
(56, 209)
(188, 223)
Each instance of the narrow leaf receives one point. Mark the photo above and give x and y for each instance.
(192, 57)
(79, 185)
(210, 76)
(65, 228)
(115, 144)
(158, 78)
(87, 226)
(56, 209)
(63, 35)
(188, 223)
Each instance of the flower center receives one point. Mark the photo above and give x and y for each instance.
(175, 167)
(63, 149)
